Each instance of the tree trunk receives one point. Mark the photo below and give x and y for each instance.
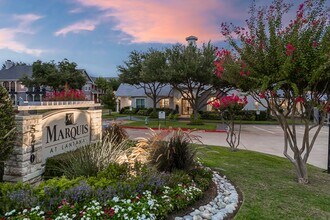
(301, 170)
(154, 110)
(297, 160)
(195, 111)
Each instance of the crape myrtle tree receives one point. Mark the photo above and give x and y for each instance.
(55, 75)
(147, 71)
(190, 71)
(287, 65)
(228, 107)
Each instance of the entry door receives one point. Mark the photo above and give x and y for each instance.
(186, 108)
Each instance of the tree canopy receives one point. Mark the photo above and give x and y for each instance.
(147, 71)
(108, 99)
(190, 71)
(55, 75)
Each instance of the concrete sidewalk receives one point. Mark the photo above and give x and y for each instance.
(261, 138)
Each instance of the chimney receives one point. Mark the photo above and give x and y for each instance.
(191, 40)
(8, 64)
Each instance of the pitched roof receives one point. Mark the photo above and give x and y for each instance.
(15, 72)
(126, 90)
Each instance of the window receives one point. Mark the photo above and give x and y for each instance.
(209, 106)
(164, 103)
(140, 103)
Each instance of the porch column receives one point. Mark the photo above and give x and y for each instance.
(26, 97)
(117, 105)
(33, 97)
(15, 86)
(15, 102)
(40, 95)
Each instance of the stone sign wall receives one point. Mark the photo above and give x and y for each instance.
(64, 131)
(47, 135)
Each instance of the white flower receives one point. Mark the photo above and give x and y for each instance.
(115, 199)
(151, 203)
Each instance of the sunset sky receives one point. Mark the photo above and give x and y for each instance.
(99, 34)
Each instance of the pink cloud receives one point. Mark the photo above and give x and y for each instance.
(87, 25)
(165, 21)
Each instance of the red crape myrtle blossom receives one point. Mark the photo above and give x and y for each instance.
(231, 102)
(289, 49)
(66, 95)
(221, 55)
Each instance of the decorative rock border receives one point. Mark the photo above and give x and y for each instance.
(224, 204)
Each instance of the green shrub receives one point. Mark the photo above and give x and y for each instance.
(153, 115)
(201, 177)
(170, 116)
(115, 171)
(244, 115)
(122, 110)
(210, 115)
(128, 112)
(192, 117)
(176, 117)
(7, 125)
(143, 112)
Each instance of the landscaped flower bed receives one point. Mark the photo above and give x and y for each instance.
(116, 191)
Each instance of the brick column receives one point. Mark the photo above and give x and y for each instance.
(25, 162)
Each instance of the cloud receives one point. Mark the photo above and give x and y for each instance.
(27, 19)
(86, 25)
(76, 10)
(7, 41)
(166, 21)
(8, 36)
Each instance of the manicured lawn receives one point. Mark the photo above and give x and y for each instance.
(174, 124)
(269, 187)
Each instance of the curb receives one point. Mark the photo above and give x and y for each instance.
(183, 129)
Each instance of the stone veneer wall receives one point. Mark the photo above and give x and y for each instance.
(19, 167)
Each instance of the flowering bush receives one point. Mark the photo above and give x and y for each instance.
(66, 95)
(149, 195)
(140, 206)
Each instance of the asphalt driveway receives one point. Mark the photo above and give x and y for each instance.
(261, 138)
